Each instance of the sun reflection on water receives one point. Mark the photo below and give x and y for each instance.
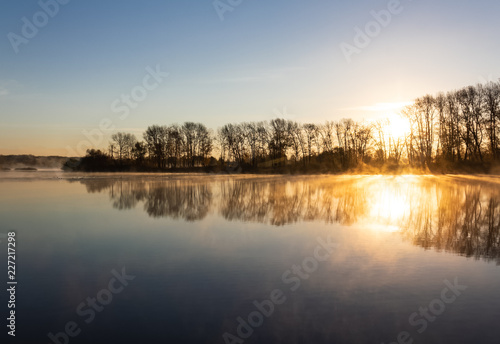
(390, 203)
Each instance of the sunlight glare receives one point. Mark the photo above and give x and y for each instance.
(398, 127)
(390, 208)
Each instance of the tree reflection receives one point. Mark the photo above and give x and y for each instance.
(285, 202)
(444, 213)
(460, 218)
(184, 200)
(175, 199)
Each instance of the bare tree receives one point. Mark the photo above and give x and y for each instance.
(156, 138)
(311, 136)
(124, 143)
(491, 105)
(279, 138)
(326, 132)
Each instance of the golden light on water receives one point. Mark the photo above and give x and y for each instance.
(390, 204)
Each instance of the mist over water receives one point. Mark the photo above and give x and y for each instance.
(204, 248)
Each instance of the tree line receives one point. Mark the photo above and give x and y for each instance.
(448, 129)
(458, 126)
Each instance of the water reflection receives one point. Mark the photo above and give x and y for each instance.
(446, 213)
(179, 199)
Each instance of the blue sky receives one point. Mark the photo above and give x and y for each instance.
(266, 58)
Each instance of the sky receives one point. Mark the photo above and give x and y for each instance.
(72, 72)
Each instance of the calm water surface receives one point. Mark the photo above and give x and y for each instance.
(359, 259)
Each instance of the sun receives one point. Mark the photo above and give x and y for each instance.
(397, 127)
